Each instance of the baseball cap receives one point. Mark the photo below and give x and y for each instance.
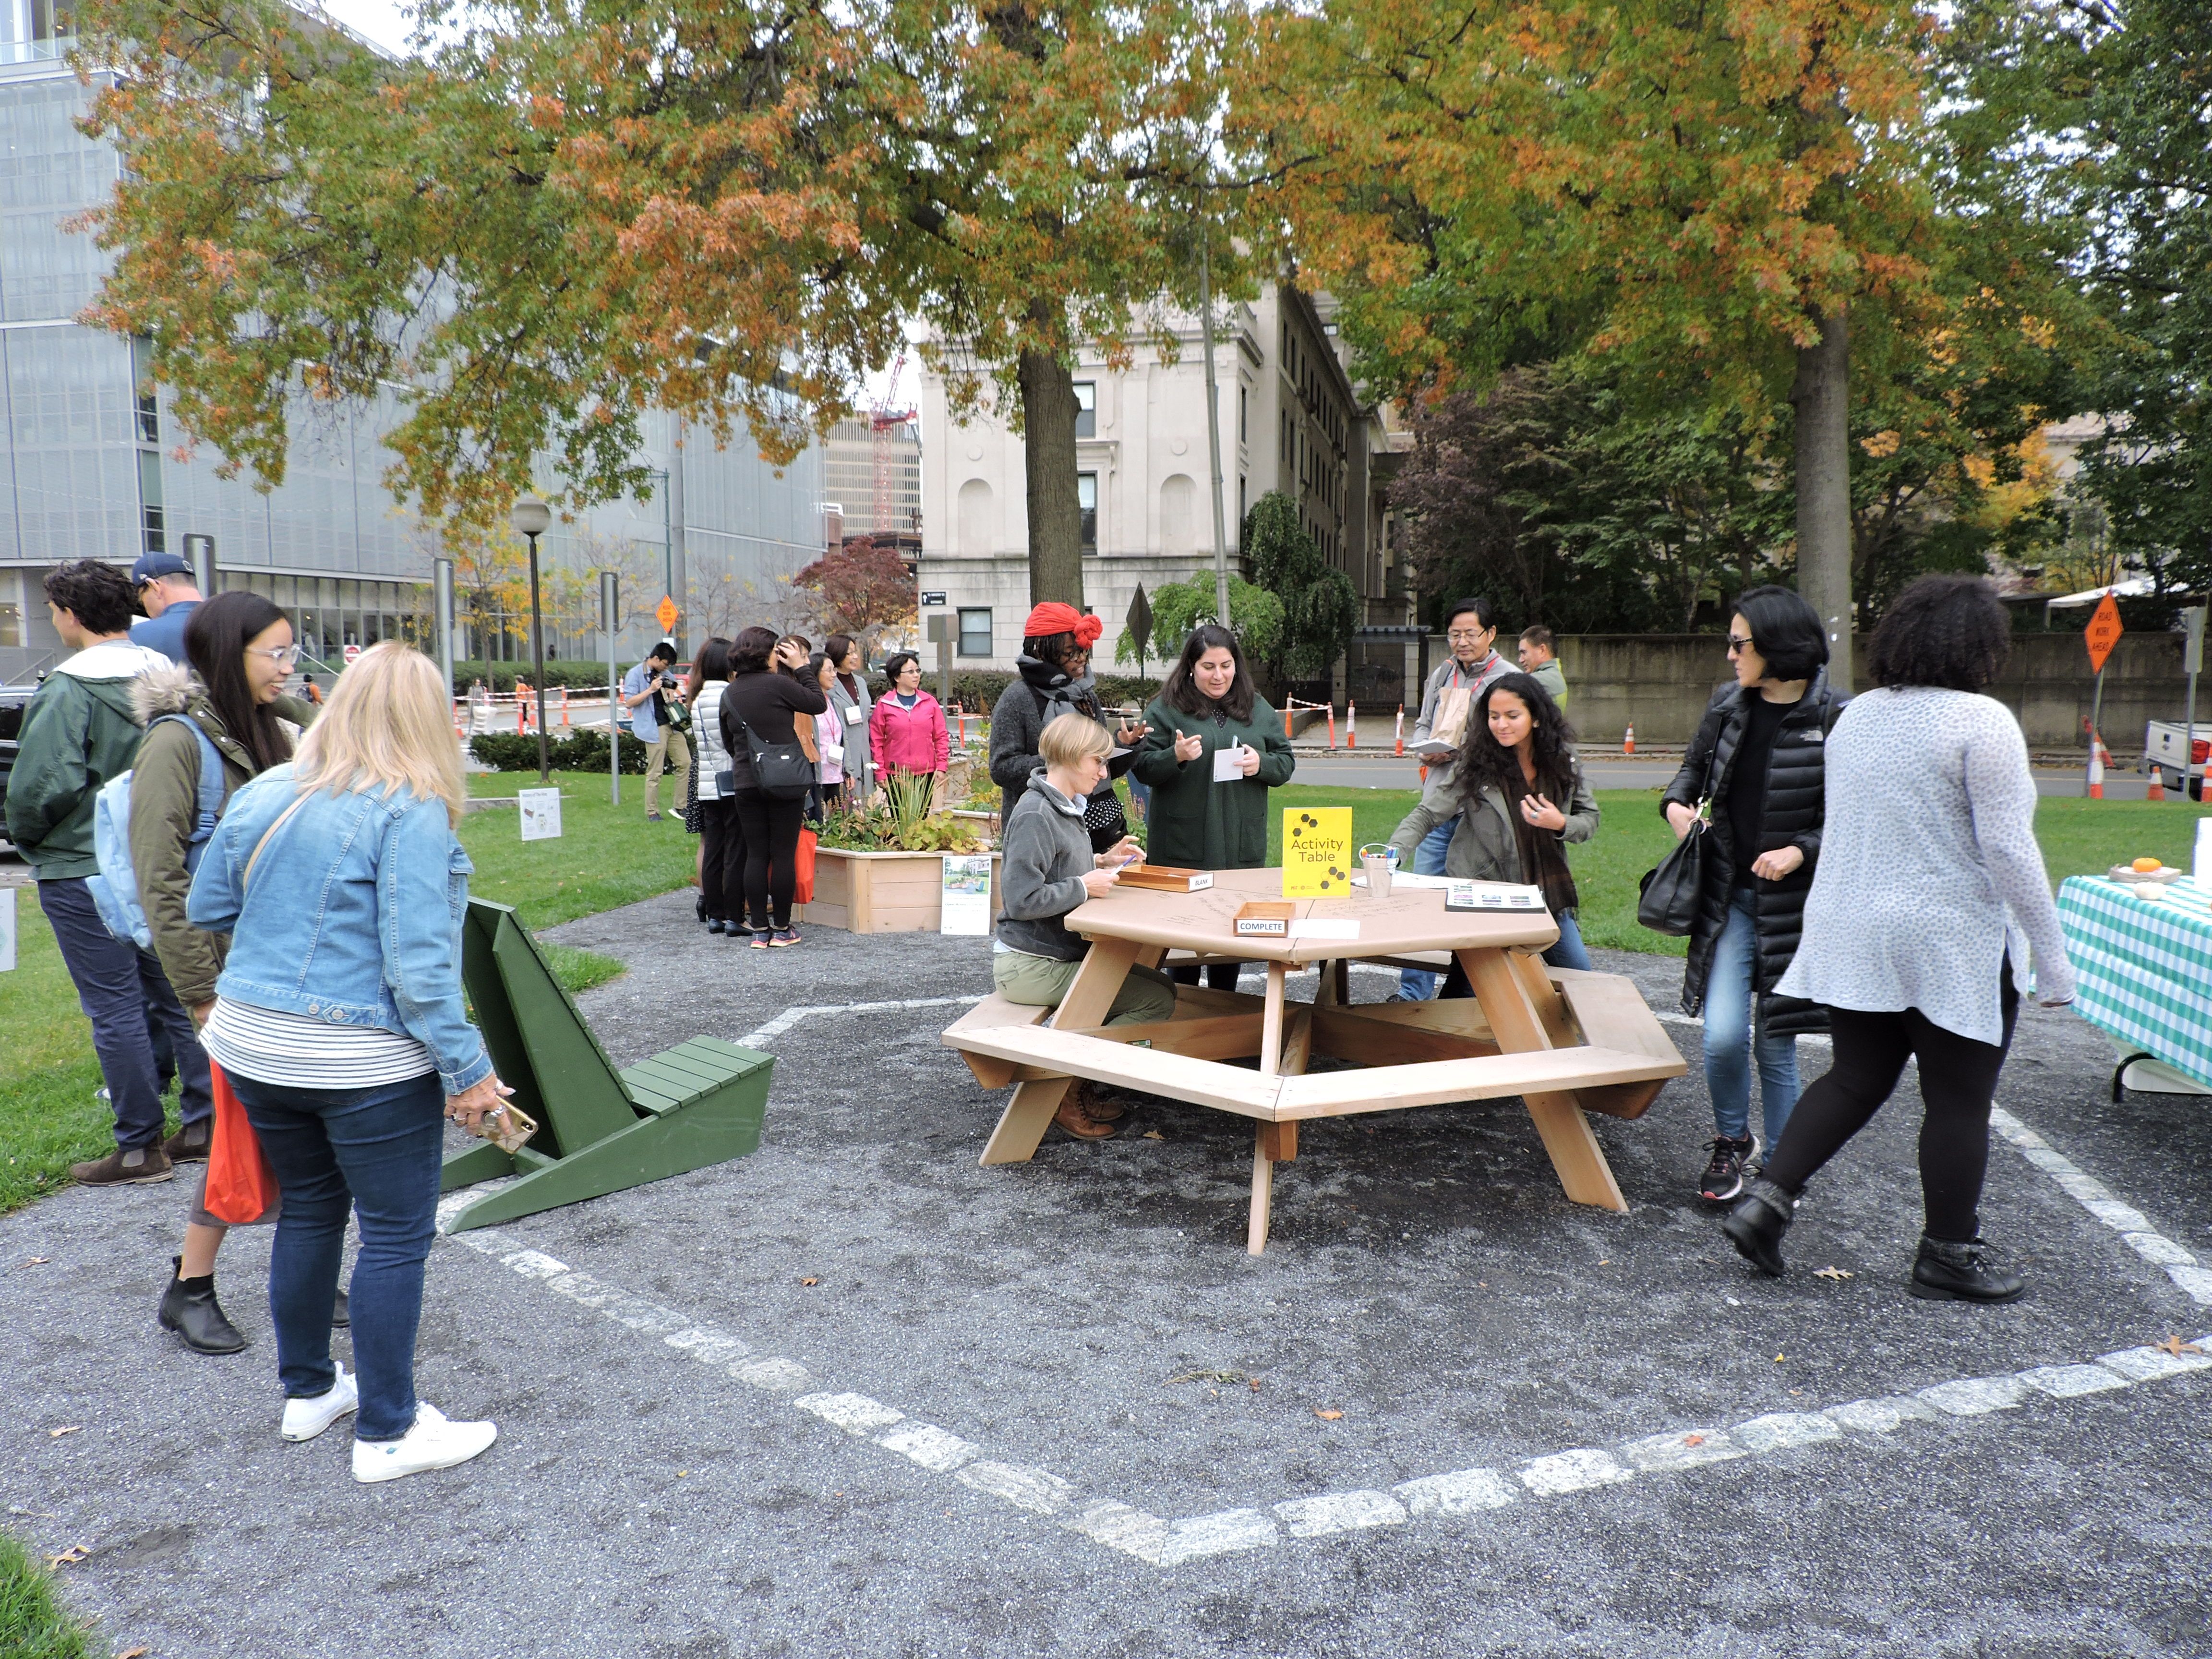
(151, 565)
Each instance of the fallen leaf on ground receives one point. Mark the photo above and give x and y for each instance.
(1833, 1273)
(809, 1281)
(134, 1653)
(1329, 1417)
(1693, 1440)
(68, 1558)
(67, 1428)
(1778, 1359)
(38, 1261)
(1203, 1375)
(2174, 1345)
(1154, 1134)
(1254, 1381)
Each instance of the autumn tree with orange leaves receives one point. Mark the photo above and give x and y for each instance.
(568, 215)
(1714, 198)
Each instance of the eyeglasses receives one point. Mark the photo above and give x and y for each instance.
(1736, 645)
(282, 655)
(1466, 636)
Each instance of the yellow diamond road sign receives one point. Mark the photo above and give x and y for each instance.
(664, 613)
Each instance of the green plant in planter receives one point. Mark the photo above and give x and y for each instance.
(901, 822)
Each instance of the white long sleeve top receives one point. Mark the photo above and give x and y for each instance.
(1928, 866)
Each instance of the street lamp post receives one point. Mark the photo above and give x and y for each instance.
(532, 517)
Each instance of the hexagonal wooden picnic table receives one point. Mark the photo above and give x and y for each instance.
(1567, 1042)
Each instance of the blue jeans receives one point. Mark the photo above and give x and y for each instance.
(1729, 1046)
(376, 1151)
(127, 997)
(1570, 952)
(1418, 984)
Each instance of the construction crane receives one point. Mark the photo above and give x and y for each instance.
(884, 420)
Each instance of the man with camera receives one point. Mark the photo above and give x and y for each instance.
(648, 691)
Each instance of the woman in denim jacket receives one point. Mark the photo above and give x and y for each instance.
(339, 1022)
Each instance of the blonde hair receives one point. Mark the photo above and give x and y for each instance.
(1068, 739)
(389, 725)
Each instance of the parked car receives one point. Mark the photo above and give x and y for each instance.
(14, 700)
(2164, 742)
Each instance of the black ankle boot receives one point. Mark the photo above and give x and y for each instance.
(1950, 1272)
(1755, 1226)
(188, 1309)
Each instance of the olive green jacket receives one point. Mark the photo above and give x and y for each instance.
(1193, 821)
(1483, 845)
(165, 786)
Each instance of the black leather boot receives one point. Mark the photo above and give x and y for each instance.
(188, 1309)
(1755, 1226)
(1950, 1272)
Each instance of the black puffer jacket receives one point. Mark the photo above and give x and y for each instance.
(1797, 805)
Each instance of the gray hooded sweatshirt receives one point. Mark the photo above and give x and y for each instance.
(1044, 856)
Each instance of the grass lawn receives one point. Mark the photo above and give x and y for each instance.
(50, 1115)
(2079, 837)
(33, 1624)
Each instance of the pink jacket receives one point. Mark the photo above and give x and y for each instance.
(909, 739)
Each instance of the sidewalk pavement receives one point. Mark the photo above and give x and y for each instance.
(1055, 1408)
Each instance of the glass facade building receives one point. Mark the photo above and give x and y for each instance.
(88, 465)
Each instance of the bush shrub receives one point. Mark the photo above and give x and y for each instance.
(502, 675)
(579, 751)
(978, 690)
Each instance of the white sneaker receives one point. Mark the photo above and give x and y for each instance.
(432, 1443)
(306, 1419)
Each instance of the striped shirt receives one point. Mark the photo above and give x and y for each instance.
(294, 1051)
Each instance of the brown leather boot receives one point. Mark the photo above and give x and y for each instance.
(1099, 1109)
(1074, 1117)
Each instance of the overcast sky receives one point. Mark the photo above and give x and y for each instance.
(384, 22)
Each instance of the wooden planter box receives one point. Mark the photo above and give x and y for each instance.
(881, 892)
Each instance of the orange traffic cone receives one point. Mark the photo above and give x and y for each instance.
(1628, 740)
(1400, 748)
(1350, 724)
(2157, 790)
(2096, 771)
(1332, 728)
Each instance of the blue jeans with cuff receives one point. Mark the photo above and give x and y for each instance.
(1729, 1046)
(127, 997)
(376, 1152)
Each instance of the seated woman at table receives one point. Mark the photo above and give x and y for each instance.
(1516, 768)
(1928, 905)
(1047, 869)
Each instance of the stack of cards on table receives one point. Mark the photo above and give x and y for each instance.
(1493, 896)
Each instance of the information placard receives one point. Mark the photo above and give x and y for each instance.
(1318, 861)
(541, 813)
(965, 906)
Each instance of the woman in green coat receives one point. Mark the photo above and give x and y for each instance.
(1207, 704)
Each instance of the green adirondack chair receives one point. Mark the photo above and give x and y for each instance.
(599, 1130)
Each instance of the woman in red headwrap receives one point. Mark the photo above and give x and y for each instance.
(1055, 679)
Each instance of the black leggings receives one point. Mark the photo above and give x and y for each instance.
(722, 859)
(1220, 976)
(1958, 1080)
(770, 828)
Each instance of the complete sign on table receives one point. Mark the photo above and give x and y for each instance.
(1566, 1042)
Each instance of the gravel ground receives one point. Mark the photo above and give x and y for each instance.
(1093, 1312)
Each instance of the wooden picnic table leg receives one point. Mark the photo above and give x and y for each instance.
(1275, 1143)
(1513, 1016)
(1029, 1114)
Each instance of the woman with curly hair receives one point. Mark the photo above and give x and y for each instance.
(1929, 906)
(1503, 802)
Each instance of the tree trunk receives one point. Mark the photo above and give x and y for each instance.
(1048, 414)
(1822, 395)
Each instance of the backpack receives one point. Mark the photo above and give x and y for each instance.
(115, 888)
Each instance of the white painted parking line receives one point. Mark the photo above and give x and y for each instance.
(2188, 1276)
(1165, 1542)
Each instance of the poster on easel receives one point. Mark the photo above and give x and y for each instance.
(1318, 861)
(965, 905)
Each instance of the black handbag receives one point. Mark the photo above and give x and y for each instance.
(1669, 893)
(781, 771)
(1103, 818)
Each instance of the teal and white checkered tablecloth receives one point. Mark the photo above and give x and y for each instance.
(2143, 967)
